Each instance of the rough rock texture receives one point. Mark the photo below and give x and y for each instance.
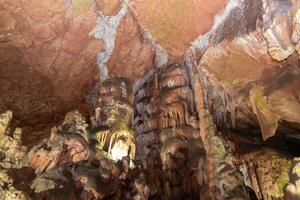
(49, 46)
(167, 130)
(133, 55)
(108, 7)
(221, 176)
(91, 182)
(12, 155)
(266, 171)
(5, 120)
(207, 77)
(12, 152)
(112, 120)
(66, 145)
(292, 190)
(45, 48)
(176, 24)
(8, 191)
(67, 165)
(244, 84)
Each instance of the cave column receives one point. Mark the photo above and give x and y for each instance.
(221, 177)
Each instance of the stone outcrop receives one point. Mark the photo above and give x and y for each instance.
(292, 190)
(112, 119)
(12, 152)
(44, 48)
(177, 23)
(246, 76)
(202, 96)
(55, 46)
(266, 172)
(66, 145)
(5, 122)
(8, 191)
(167, 130)
(12, 155)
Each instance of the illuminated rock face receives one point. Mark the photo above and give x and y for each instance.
(12, 155)
(113, 119)
(215, 98)
(292, 190)
(247, 68)
(47, 47)
(12, 152)
(67, 144)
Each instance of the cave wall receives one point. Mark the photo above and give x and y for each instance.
(250, 71)
(246, 49)
(237, 70)
(167, 129)
(164, 103)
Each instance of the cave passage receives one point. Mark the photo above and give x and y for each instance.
(149, 100)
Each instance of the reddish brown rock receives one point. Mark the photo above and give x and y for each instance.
(45, 48)
(223, 66)
(133, 55)
(257, 165)
(61, 150)
(67, 145)
(108, 7)
(176, 24)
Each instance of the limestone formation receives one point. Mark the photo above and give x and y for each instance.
(8, 191)
(149, 99)
(5, 120)
(13, 153)
(166, 119)
(292, 190)
(266, 172)
(66, 145)
(113, 115)
(296, 30)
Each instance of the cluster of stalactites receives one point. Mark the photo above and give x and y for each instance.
(113, 118)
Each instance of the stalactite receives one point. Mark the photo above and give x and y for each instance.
(171, 103)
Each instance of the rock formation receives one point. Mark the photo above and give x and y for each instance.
(292, 189)
(66, 145)
(12, 152)
(12, 155)
(149, 99)
(166, 119)
(112, 120)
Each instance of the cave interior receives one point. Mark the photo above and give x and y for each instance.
(149, 99)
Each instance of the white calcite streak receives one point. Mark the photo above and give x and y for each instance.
(277, 28)
(161, 55)
(106, 29)
(202, 42)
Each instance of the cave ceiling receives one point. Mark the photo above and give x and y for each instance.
(166, 99)
(246, 54)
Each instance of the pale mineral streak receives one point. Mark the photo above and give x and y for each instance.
(106, 29)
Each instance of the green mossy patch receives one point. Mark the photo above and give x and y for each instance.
(283, 178)
(232, 82)
(219, 149)
(260, 100)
